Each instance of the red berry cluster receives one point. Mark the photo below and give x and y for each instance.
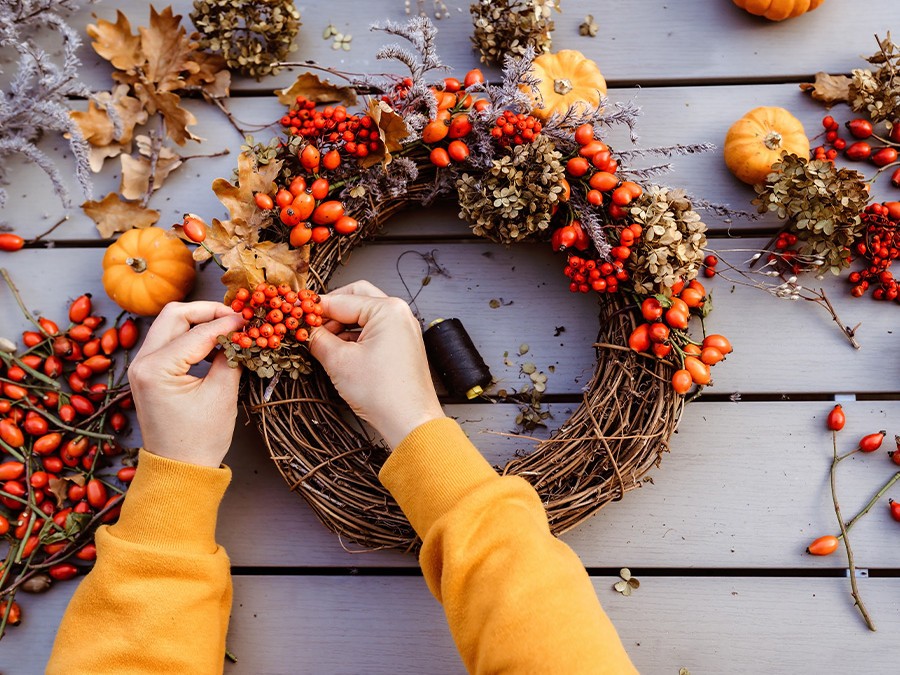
(860, 149)
(274, 315)
(57, 440)
(593, 275)
(709, 266)
(300, 203)
(595, 163)
(880, 248)
(354, 135)
(515, 128)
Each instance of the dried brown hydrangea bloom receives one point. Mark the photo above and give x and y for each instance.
(509, 26)
(821, 203)
(878, 93)
(251, 35)
(290, 359)
(672, 243)
(514, 199)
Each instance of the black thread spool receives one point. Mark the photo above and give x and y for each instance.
(453, 355)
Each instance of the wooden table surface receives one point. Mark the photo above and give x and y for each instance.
(718, 539)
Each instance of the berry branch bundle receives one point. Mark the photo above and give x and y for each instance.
(526, 161)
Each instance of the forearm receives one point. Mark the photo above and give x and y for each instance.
(517, 599)
(159, 596)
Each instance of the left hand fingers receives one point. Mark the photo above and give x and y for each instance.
(177, 356)
(177, 318)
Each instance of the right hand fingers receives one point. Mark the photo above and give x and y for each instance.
(361, 287)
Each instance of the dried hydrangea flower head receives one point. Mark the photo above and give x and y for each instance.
(510, 26)
(672, 244)
(252, 35)
(821, 203)
(514, 199)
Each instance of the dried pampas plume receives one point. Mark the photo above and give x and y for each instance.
(35, 100)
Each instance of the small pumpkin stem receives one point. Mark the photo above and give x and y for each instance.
(562, 87)
(137, 264)
(773, 140)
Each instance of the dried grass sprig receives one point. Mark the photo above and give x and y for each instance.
(35, 100)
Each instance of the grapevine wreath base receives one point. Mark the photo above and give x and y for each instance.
(618, 433)
(525, 162)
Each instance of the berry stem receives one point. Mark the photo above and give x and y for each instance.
(874, 500)
(854, 590)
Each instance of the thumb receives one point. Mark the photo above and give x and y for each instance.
(223, 377)
(192, 347)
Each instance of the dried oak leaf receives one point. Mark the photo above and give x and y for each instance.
(212, 77)
(313, 88)
(391, 128)
(115, 42)
(828, 88)
(168, 50)
(238, 199)
(221, 237)
(249, 265)
(60, 486)
(97, 126)
(114, 215)
(167, 103)
(100, 153)
(136, 172)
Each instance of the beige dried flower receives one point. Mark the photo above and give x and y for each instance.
(292, 358)
(822, 205)
(509, 26)
(514, 199)
(252, 35)
(672, 243)
(878, 93)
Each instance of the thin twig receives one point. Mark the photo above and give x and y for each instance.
(878, 495)
(854, 590)
(846, 330)
(44, 234)
(156, 139)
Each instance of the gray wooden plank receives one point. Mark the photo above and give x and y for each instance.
(670, 115)
(529, 276)
(647, 42)
(733, 493)
(348, 625)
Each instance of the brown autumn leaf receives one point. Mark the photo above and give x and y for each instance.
(828, 88)
(115, 43)
(136, 172)
(60, 486)
(221, 237)
(114, 215)
(97, 126)
(100, 153)
(313, 88)
(391, 128)
(167, 103)
(212, 77)
(167, 48)
(248, 265)
(238, 199)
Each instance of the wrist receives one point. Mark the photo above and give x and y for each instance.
(404, 425)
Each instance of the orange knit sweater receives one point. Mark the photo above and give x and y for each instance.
(517, 599)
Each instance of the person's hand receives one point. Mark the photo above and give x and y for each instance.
(380, 371)
(183, 417)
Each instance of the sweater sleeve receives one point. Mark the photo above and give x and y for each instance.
(517, 599)
(159, 596)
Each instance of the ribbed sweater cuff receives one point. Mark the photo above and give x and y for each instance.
(172, 505)
(434, 467)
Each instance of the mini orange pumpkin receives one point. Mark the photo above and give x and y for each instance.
(759, 138)
(567, 79)
(778, 10)
(146, 269)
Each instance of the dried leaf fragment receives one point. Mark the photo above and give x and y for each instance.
(828, 88)
(136, 173)
(314, 88)
(114, 215)
(391, 129)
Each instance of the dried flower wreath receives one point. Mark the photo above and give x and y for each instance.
(522, 167)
